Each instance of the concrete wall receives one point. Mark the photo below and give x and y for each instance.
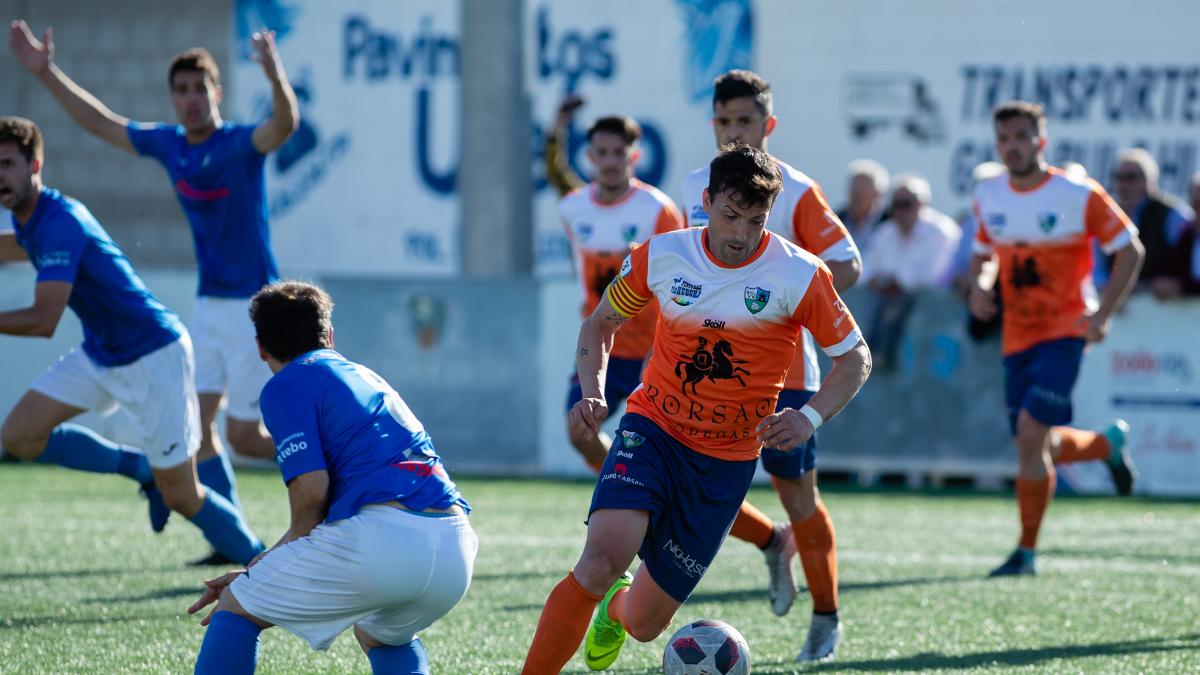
(120, 52)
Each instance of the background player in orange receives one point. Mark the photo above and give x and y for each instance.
(733, 300)
(742, 113)
(1039, 222)
(604, 219)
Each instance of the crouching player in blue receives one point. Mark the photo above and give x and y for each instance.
(379, 538)
(135, 354)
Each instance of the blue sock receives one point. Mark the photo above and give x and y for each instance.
(409, 659)
(225, 528)
(82, 449)
(230, 646)
(217, 473)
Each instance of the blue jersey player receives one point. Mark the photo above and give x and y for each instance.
(379, 538)
(217, 171)
(135, 354)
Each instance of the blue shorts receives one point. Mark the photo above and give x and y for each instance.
(1040, 380)
(624, 375)
(795, 463)
(692, 500)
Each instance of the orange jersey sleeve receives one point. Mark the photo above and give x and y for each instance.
(983, 241)
(1106, 221)
(668, 219)
(824, 314)
(629, 292)
(815, 226)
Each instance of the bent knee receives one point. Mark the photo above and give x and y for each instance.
(20, 441)
(183, 499)
(646, 629)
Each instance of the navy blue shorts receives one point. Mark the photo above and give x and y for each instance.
(795, 463)
(1040, 380)
(624, 375)
(692, 500)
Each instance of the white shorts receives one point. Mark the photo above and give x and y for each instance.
(388, 571)
(156, 391)
(227, 360)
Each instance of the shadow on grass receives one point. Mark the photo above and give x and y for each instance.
(523, 574)
(757, 594)
(1009, 658)
(1101, 554)
(160, 594)
(78, 574)
(23, 622)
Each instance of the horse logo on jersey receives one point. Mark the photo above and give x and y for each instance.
(602, 277)
(1025, 273)
(717, 364)
(1047, 221)
(756, 299)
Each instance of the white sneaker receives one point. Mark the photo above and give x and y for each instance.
(781, 588)
(824, 635)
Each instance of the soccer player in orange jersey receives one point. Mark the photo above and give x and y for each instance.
(1039, 222)
(742, 113)
(604, 219)
(733, 300)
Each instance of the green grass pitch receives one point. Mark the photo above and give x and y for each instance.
(88, 588)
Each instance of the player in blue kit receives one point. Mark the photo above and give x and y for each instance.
(379, 538)
(217, 170)
(135, 354)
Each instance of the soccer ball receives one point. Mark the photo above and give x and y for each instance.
(707, 647)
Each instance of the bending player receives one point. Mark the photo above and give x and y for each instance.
(743, 113)
(217, 170)
(135, 354)
(1039, 223)
(379, 538)
(733, 301)
(603, 221)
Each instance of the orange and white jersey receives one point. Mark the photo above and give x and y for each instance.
(1042, 239)
(601, 236)
(725, 335)
(802, 215)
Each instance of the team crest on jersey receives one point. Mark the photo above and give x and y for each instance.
(631, 439)
(756, 299)
(629, 232)
(715, 364)
(683, 292)
(1047, 221)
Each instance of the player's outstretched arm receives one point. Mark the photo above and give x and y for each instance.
(10, 250)
(591, 362)
(285, 112)
(37, 56)
(788, 428)
(40, 320)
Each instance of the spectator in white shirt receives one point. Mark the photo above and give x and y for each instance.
(910, 252)
(864, 209)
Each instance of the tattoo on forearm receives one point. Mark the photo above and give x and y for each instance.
(583, 351)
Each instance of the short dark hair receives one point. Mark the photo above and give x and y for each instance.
(194, 60)
(292, 318)
(748, 174)
(24, 134)
(1030, 111)
(739, 83)
(625, 127)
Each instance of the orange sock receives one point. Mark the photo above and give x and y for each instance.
(752, 525)
(816, 542)
(616, 607)
(563, 624)
(1077, 445)
(1033, 496)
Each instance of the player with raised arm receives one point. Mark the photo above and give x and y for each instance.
(217, 171)
(743, 113)
(733, 300)
(1039, 222)
(379, 538)
(604, 219)
(135, 354)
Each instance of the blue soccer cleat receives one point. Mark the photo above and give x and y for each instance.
(1020, 563)
(159, 513)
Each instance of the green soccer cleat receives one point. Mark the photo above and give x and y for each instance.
(606, 637)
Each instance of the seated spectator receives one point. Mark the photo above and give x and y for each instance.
(865, 208)
(1187, 255)
(907, 253)
(1160, 218)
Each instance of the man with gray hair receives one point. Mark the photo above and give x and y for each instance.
(865, 206)
(1160, 218)
(909, 252)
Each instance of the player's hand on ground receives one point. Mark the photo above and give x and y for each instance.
(982, 303)
(212, 592)
(35, 55)
(266, 53)
(586, 416)
(1095, 327)
(786, 430)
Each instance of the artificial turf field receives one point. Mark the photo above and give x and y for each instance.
(88, 588)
